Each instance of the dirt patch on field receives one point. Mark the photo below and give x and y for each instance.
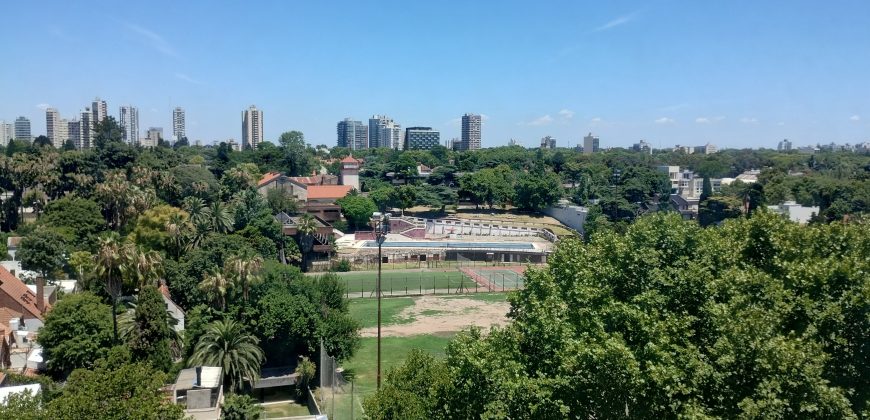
(436, 314)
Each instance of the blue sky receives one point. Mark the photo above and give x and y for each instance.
(735, 73)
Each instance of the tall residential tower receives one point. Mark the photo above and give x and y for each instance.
(129, 122)
(100, 111)
(352, 134)
(22, 129)
(252, 127)
(470, 132)
(384, 132)
(178, 131)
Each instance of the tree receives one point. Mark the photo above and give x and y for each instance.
(706, 189)
(42, 141)
(149, 340)
(227, 344)
(215, 285)
(718, 208)
(240, 407)
(383, 197)
(151, 231)
(536, 191)
(115, 389)
(82, 262)
(287, 325)
(406, 196)
(77, 218)
(77, 332)
(109, 261)
(280, 200)
(306, 369)
(411, 390)
(306, 228)
(245, 268)
(218, 217)
(357, 209)
(43, 251)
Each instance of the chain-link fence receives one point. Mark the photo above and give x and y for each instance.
(336, 395)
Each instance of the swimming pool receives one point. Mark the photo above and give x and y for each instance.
(446, 245)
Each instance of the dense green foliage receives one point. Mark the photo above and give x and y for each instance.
(758, 318)
(77, 332)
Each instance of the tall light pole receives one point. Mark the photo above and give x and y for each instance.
(380, 224)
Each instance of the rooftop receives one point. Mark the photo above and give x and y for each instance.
(328, 191)
(24, 299)
(210, 376)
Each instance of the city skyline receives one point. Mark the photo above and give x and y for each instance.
(736, 74)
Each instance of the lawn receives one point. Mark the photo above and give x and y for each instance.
(366, 311)
(362, 369)
(281, 410)
(364, 284)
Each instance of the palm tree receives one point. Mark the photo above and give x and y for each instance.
(244, 268)
(219, 217)
(109, 260)
(306, 228)
(227, 344)
(145, 267)
(195, 208)
(178, 228)
(215, 285)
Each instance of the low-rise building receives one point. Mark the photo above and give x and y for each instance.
(795, 212)
(200, 391)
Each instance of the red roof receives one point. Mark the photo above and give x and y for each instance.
(18, 292)
(268, 177)
(7, 315)
(328, 191)
(349, 159)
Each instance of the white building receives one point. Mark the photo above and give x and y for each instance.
(86, 130)
(795, 212)
(178, 129)
(784, 145)
(471, 134)
(100, 111)
(252, 127)
(384, 132)
(591, 144)
(642, 146)
(548, 142)
(674, 175)
(153, 136)
(53, 128)
(7, 132)
(22, 129)
(707, 149)
(129, 121)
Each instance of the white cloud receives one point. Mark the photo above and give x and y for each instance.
(566, 114)
(855, 118)
(708, 120)
(545, 120)
(152, 39)
(188, 79)
(665, 120)
(43, 106)
(622, 20)
(749, 120)
(595, 120)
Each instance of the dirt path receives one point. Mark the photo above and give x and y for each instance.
(437, 314)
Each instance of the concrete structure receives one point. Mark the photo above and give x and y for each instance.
(128, 119)
(100, 111)
(350, 172)
(784, 145)
(568, 214)
(795, 212)
(153, 136)
(591, 144)
(674, 175)
(422, 138)
(74, 131)
(22, 129)
(384, 132)
(86, 130)
(200, 391)
(52, 128)
(642, 146)
(707, 149)
(7, 132)
(548, 142)
(352, 134)
(178, 126)
(471, 124)
(252, 127)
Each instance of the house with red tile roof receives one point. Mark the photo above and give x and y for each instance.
(17, 297)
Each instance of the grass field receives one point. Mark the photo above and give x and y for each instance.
(362, 369)
(281, 410)
(365, 283)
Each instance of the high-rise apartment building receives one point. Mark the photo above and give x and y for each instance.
(352, 134)
(384, 132)
(74, 131)
(642, 146)
(590, 144)
(100, 111)
(22, 129)
(86, 130)
(421, 138)
(153, 136)
(52, 128)
(252, 127)
(128, 119)
(7, 132)
(470, 132)
(178, 131)
(548, 143)
(784, 145)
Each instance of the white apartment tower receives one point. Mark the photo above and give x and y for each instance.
(470, 132)
(252, 127)
(100, 111)
(74, 131)
(384, 132)
(590, 144)
(7, 133)
(86, 130)
(129, 122)
(178, 131)
(52, 128)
